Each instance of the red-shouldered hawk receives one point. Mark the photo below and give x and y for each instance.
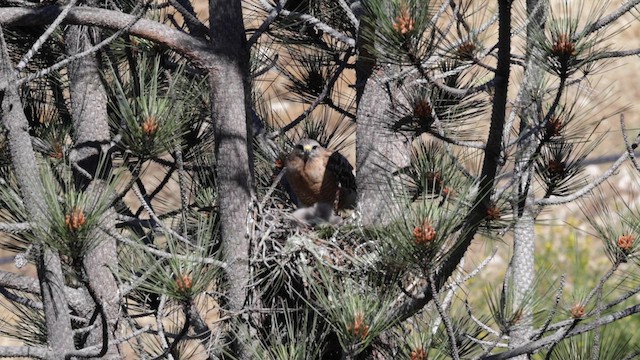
(318, 175)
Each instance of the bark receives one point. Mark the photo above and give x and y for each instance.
(521, 272)
(234, 163)
(379, 152)
(91, 127)
(59, 333)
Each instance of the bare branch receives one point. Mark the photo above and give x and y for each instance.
(19, 282)
(191, 47)
(92, 351)
(25, 351)
(310, 20)
(557, 200)
(446, 320)
(606, 20)
(15, 228)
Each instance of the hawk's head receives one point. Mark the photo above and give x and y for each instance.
(307, 148)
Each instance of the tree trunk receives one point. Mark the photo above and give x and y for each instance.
(234, 162)
(379, 152)
(91, 127)
(521, 269)
(56, 310)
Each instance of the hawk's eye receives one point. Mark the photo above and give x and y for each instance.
(299, 147)
(314, 147)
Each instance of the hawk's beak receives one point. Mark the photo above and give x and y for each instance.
(307, 150)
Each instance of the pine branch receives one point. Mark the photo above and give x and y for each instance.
(166, 255)
(606, 20)
(489, 167)
(535, 346)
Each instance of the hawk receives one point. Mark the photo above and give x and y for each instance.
(318, 175)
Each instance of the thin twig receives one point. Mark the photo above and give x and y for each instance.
(158, 224)
(160, 326)
(601, 283)
(272, 188)
(605, 20)
(273, 14)
(482, 325)
(545, 327)
(182, 184)
(446, 320)
(489, 344)
(475, 272)
(166, 255)
(630, 147)
(325, 92)
(43, 38)
(87, 52)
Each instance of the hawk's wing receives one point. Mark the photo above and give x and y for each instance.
(342, 171)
